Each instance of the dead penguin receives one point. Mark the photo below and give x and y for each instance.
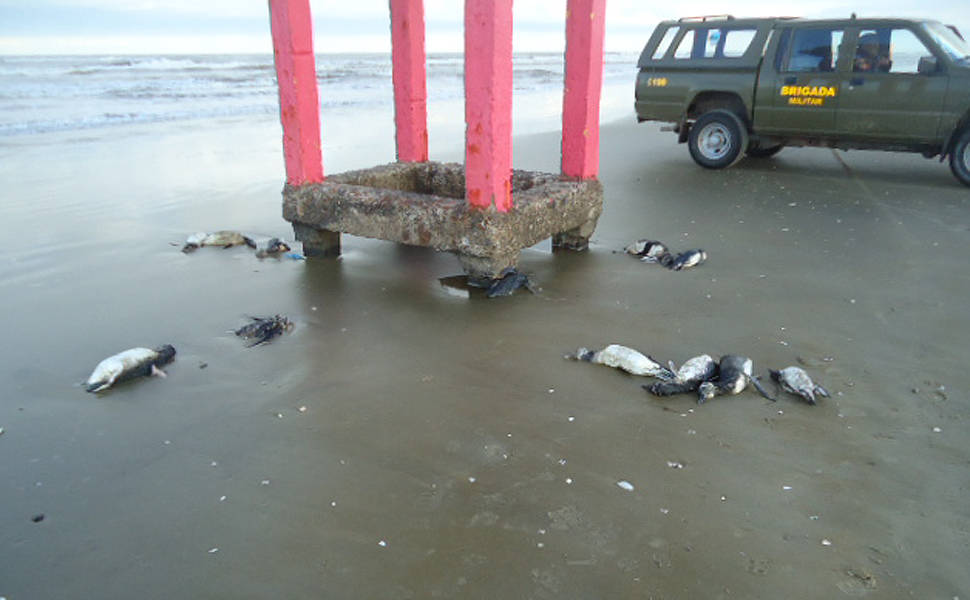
(270, 246)
(688, 377)
(508, 282)
(135, 362)
(650, 251)
(795, 380)
(263, 329)
(624, 358)
(687, 259)
(224, 239)
(734, 373)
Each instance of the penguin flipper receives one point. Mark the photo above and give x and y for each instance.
(96, 387)
(821, 391)
(669, 388)
(756, 382)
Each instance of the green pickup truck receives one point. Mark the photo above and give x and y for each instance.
(734, 87)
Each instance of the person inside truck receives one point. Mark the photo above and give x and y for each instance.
(871, 56)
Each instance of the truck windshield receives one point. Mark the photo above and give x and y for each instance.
(956, 48)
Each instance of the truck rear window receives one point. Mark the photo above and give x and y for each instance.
(665, 42)
(714, 42)
(814, 50)
(736, 42)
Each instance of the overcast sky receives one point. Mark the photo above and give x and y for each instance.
(228, 26)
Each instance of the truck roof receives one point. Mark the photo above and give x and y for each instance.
(732, 21)
(670, 32)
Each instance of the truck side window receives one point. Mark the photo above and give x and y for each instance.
(686, 46)
(885, 50)
(814, 50)
(872, 52)
(736, 42)
(665, 42)
(905, 50)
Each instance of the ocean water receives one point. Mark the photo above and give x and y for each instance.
(43, 94)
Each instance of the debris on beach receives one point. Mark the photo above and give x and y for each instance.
(795, 380)
(134, 362)
(223, 239)
(508, 282)
(626, 485)
(624, 358)
(263, 329)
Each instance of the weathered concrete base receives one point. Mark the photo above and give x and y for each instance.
(423, 204)
(317, 242)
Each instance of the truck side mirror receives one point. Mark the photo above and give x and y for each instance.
(927, 65)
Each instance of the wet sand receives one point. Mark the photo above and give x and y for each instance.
(406, 441)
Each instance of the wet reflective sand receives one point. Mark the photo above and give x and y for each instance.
(411, 440)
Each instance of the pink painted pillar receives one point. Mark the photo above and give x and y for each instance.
(488, 103)
(410, 85)
(296, 76)
(584, 79)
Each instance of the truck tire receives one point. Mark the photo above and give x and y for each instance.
(764, 152)
(960, 158)
(717, 139)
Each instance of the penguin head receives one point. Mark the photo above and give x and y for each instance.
(165, 354)
(277, 245)
(706, 391)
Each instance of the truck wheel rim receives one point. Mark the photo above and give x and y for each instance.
(714, 141)
(966, 158)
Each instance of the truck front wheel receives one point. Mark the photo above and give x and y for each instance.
(717, 139)
(960, 158)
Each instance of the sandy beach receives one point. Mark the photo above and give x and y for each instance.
(407, 440)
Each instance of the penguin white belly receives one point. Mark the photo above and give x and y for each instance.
(627, 359)
(110, 369)
(699, 368)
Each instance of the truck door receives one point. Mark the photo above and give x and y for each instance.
(798, 91)
(884, 96)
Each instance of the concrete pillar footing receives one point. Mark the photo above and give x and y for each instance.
(422, 204)
(317, 242)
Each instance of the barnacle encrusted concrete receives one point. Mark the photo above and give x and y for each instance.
(422, 204)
